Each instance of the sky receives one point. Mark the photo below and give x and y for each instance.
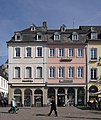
(16, 15)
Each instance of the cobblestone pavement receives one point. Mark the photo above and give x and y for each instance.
(40, 113)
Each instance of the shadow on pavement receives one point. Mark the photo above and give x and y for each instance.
(82, 118)
(41, 115)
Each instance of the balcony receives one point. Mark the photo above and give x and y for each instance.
(65, 59)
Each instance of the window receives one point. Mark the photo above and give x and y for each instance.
(80, 52)
(52, 52)
(52, 72)
(17, 36)
(39, 37)
(61, 72)
(60, 52)
(28, 51)
(28, 72)
(39, 72)
(80, 72)
(39, 51)
(70, 52)
(74, 36)
(71, 72)
(94, 35)
(93, 73)
(56, 36)
(17, 52)
(93, 54)
(17, 72)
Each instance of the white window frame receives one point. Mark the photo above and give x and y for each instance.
(80, 52)
(56, 36)
(39, 34)
(19, 72)
(70, 52)
(71, 72)
(93, 35)
(17, 37)
(74, 36)
(15, 52)
(41, 72)
(30, 72)
(60, 52)
(51, 52)
(80, 72)
(61, 72)
(37, 51)
(93, 53)
(52, 72)
(30, 55)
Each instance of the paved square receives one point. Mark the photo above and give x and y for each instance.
(40, 113)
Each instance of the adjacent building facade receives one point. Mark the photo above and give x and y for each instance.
(94, 63)
(44, 63)
(3, 84)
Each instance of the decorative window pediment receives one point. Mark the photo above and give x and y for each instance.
(74, 36)
(56, 36)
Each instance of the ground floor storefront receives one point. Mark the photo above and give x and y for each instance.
(40, 95)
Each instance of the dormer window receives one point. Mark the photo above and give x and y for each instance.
(33, 27)
(93, 33)
(63, 28)
(74, 36)
(56, 36)
(17, 36)
(39, 37)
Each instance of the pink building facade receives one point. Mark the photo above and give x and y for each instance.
(67, 73)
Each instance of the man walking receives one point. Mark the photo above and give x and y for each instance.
(53, 107)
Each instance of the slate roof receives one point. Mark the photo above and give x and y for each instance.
(48, 35)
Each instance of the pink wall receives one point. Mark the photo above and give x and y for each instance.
(75, 62)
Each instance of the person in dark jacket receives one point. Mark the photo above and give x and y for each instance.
(53, 107)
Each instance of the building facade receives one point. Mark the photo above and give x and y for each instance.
(94, 63)
(45, 62)
(3, 84)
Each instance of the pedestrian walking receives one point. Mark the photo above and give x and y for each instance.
(13, 108)
(53, 107)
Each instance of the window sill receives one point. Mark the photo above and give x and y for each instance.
(39, 57)
(39, 78)
(16, 57)
(16, 78)
(27, 80)
(28, 57)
